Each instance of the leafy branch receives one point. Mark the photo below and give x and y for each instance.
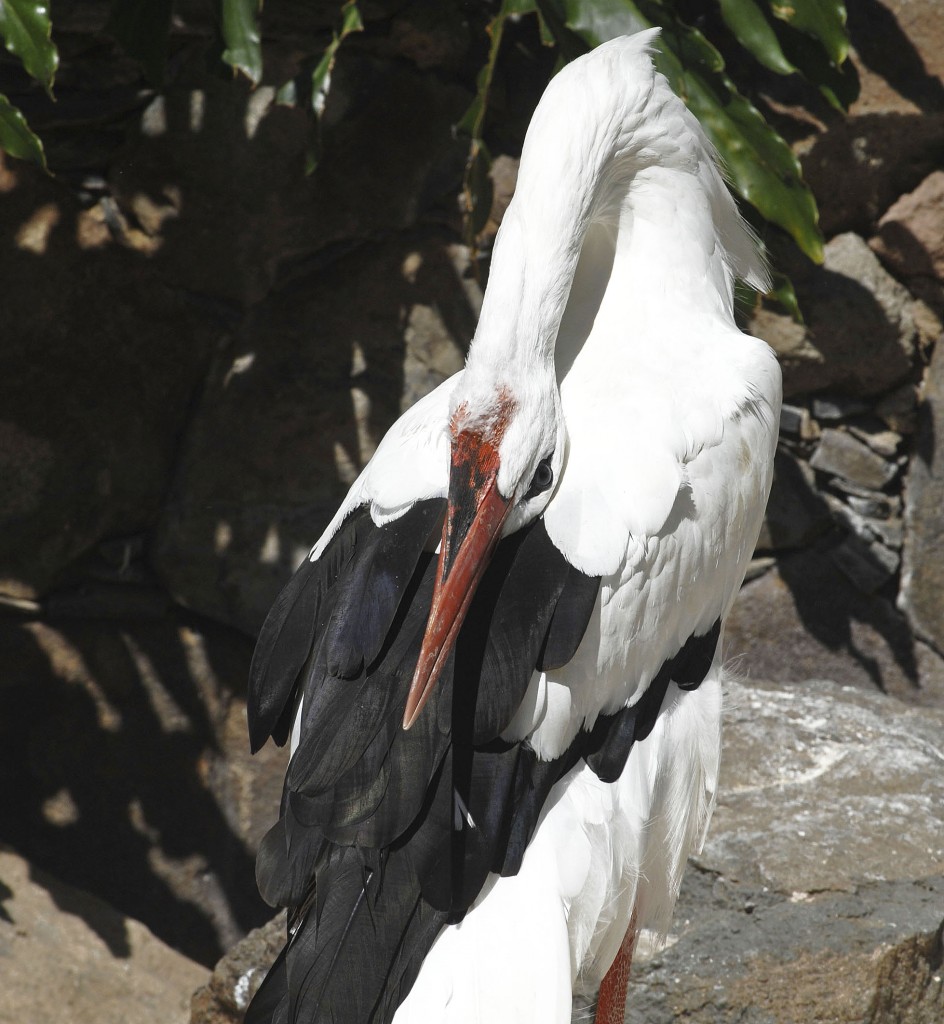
(27, 33)
(803, 37)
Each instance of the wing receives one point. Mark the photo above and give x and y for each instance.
(664, 503)
(386, 834)
(411, 463)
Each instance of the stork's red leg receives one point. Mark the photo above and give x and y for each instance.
(611, 1003)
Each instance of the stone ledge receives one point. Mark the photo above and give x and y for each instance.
(67, 956)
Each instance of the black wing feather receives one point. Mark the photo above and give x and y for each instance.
(569, 622)
(288, 633)
(370, 594)
(613, 736)
(506, 628)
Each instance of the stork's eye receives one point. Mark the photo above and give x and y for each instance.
(542, 479)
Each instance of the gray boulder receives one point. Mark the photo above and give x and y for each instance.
(819, 895)
(861, 329)
(817, 889)
(67, 956)
(922, 581)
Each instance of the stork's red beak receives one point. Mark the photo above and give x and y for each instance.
(474, 521)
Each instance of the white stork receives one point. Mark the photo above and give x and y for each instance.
(504, 753)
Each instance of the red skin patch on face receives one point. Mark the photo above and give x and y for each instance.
(474, 466)
(474, 460)
(475, 452)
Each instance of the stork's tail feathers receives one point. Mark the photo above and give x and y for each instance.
(366, 917)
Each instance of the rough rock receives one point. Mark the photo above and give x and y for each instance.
(892, 136)
(820, 877)
(899, 51)
(125, 769)
(503, 176)
(295, 407)
(909, 986)
(840, 454)
(67, 956)
(875, 505)
(833, 408)
(238, 975)
(871, 431)
(910, 239)
(743, 953)
(899, 409)
(796, 422)
(99, 363)
(868, 563)
(224, 162)
(922, 580)
(876, 156)
(805, 618)
(860, 334)
(796, 513)
(821, 886)
(874, 524)
(825, 786)
(124, 275)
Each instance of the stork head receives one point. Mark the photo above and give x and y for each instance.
(507, 445)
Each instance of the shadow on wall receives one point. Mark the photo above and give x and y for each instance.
(885, 49)
(5, 893)
(123, 294)
(122, 754)
(296, 407)
(865, 627)
(152, 373)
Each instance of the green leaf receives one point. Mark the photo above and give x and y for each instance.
(143, 28)
(351, 21)
(287, 94)
(476, 184)
(750, 27)
(595, 21)
(473, 119)
(478, 192)
(518, 7)
(781, 291)
(761, 167)
(26, 29)
(824, 20)
(544, 30)
(839, 85)
(243, 47)
(688, 44)
(16, 137)
(570, 44)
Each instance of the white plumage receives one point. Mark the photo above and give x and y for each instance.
(536, 939)
(606, 345)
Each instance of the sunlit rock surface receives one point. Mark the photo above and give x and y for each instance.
(67, 956)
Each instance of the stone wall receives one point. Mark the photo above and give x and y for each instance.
(850, 560)
(202, 346)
